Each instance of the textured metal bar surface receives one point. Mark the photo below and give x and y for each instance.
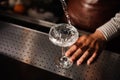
(34, 48)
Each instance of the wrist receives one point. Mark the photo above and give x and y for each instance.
(99, 35)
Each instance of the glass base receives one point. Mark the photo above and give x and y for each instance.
(64, 62)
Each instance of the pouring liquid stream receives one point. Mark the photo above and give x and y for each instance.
(64, 6)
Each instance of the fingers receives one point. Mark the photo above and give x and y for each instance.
(71, 50)
(92, 58)
(86, 48)
(82, 58)
(76, 54)
(85, 55)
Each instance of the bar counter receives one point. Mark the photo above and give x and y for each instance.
(27, 54)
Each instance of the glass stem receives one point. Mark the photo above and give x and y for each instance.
(63, 51)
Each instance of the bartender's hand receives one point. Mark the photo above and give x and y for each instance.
(87, 47)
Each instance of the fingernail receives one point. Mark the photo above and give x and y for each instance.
(88, 62)
(66, 54)
(78, 63)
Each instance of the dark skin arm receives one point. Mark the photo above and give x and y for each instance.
(87, 47)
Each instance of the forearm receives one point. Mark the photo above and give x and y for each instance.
(111, 28)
